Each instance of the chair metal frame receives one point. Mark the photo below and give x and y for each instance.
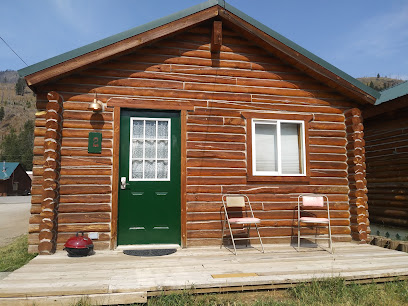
(233, 200)
(315, 221)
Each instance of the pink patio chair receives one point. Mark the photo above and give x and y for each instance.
(308, 207)
(238, 210)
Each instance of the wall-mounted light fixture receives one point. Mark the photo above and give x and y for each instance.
(96, 105)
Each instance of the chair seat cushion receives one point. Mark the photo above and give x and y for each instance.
(244, 220)
(314, 220)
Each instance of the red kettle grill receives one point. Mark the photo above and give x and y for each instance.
(79, 245)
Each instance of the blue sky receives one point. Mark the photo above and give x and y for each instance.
(362, 38)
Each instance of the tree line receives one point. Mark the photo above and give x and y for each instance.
(18, 147)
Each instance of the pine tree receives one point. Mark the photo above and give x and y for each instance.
(2, 113)
(378, 75)
(371, 84)
(20, 86)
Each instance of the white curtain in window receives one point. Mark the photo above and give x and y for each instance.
(266, 147)
(291, 163)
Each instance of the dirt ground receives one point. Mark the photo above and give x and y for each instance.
(14, 215)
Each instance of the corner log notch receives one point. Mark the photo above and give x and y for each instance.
(357, 175)
(51, 176)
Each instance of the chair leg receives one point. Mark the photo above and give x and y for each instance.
(222, 235)
(260, 240)
(330, 241)
(298, 235)
(232, 239)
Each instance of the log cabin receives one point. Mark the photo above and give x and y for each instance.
(14, 180)
(386, 128)
(139, 135)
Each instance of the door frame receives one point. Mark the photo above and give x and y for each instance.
(183, 107)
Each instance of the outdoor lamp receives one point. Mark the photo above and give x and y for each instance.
(96, 105)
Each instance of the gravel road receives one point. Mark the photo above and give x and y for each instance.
(14, 215)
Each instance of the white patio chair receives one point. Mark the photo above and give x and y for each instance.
(312, 202)
(238, 210)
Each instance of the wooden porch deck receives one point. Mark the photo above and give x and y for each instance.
(111, 277)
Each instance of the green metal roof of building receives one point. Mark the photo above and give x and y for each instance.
(393, 93)
(184, 13)
(7, 169)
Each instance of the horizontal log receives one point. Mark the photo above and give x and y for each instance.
(88, 116)
(80, 189)
(86, 171)
(328, 165)
(63, 237)
(82, 208)
(92, 198)
(216, 129)
(287, 189)
(203, 189)
(83, 143)
(266, 232)
(90, 180)
(328, 157)
(195, 180)
(259, 206)
(85, 161)
(327, 149)
(328, 141)
(264, 194)
(216, 154)
(319, 133)
(215, 163)
(216, 172)
(83, 218)
(216, 146)
(213, 137)
(267, 215)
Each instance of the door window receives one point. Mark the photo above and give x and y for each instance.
(149, 149)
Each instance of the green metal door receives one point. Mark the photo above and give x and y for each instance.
(149, 178)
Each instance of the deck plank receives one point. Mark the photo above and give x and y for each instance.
(114, 276)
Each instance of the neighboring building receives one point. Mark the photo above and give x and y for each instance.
(201, 103)
(14, 180)
(386, 136)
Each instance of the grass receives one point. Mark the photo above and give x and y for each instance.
(328, 292)
(15, 255)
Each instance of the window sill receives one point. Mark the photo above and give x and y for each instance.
(302, 179)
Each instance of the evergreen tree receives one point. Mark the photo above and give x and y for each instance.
(2, 113)
(20, 86)
(371, 84)
(378, 75)
(19, 147)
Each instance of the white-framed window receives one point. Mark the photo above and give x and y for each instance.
(149, 156)
(278, 147)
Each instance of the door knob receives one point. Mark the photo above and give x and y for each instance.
(123, 183)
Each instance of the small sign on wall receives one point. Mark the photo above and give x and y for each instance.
(95, 142)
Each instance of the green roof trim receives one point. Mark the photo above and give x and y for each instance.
(116, 38)
(7, 170)
(184, 13)
(393, 93)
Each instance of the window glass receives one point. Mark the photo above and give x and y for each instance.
(150, 149)
(291, 144)
(278, 147)
(266, 147)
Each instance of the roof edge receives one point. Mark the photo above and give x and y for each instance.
(117, 37)
(374, 93)
(393, 93)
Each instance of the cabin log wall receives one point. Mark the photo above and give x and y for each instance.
(241, 78)
(387, 167)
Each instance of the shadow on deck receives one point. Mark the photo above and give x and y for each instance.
(112, 277)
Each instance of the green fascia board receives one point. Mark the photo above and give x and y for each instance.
(184, 13)
(117, 37)
(393, 93)
(7, 169)
(304, 52)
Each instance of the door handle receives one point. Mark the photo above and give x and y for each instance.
(123, 183)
